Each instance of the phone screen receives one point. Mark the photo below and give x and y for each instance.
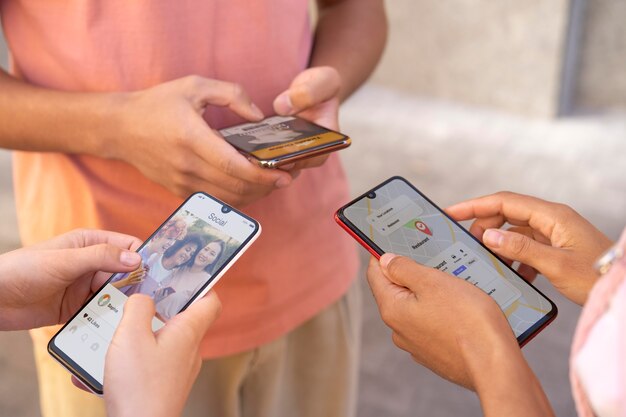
(277, 136)
(180, 262)
(395, 217)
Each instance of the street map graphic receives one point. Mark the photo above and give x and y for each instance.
(400, 221)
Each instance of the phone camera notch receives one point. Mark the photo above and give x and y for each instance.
(225, 209)
(371, 195)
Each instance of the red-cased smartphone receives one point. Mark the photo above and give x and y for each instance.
(396, 217)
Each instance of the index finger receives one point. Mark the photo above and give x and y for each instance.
(226, 94)
(95, 237)
(81, 238)
(518, 209)
(216, 151)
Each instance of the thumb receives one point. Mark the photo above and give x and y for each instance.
(136, 320)
(311, 87)
(70, 264)
(195, 321)
(521, 248)
(407, 273)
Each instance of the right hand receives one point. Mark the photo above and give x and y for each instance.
(549, 237)
(314, 96)
(151, 374)
(164, 135)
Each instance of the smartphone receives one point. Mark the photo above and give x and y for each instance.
(278, 140)
(396, 217)
(181, 261)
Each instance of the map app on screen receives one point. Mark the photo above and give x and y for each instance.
(398, 219)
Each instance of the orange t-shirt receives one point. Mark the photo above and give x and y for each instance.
(302, 262)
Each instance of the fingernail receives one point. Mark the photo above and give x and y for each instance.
(386, 259)
(283, 104)
(129, 258)
(282, 182)
(493, 238)
(257, 112)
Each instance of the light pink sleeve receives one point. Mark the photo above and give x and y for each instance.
(603, 297)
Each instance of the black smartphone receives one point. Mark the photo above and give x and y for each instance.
(396, 217)
(280, 140)
(181, 261)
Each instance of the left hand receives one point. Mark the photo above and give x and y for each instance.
(445, 323)
(314, 96)
(46, 283)
(546, 237)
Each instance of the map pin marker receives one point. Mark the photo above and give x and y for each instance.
(421, 226)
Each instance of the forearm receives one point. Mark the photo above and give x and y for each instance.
(12, 317)
(120, 284)
(46, 120)
(5, 311)
(350, 36)
(507, 386)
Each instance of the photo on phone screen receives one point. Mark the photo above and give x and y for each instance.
(395, 217)
(281, 139)
(180, 262)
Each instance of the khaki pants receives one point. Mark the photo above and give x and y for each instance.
(311, 371)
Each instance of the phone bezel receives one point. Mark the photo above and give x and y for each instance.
(377, 252)
(300, 155)
(83, 375)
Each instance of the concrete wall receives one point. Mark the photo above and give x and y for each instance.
(508, 54)
(505, 54)
(602, 76)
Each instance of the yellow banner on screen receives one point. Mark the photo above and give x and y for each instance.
(299, 145)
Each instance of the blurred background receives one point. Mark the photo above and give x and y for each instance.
(471, 97)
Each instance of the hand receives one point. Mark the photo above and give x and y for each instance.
(445, 323)
(149, 374)
(551, 238)
(135, 277)
(46, 283)
(138, 275)
(165, 136)
(313, 95)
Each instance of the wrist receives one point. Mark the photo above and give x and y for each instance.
(487, 367)
(110, 127)
(504, 382)
(499, 355)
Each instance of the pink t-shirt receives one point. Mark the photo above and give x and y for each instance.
(302, 261)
